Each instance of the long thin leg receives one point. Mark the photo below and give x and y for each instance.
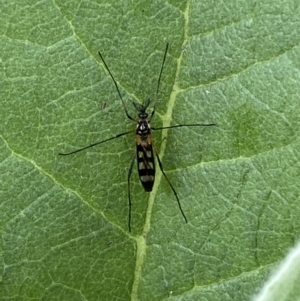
(91, 145)
(174, 191)
(158, 82)
(129, 197)
(112, 77)
(180, 125)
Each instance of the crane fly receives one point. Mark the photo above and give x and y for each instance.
(144, 154)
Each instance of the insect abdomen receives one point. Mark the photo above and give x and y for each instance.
(146, 166)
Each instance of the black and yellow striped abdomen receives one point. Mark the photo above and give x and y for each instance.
(145, 162)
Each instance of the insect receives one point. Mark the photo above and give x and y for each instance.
(145, 151)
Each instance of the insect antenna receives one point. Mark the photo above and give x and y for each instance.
(117, 87)
(158, 81)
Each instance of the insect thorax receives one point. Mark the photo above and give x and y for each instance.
(143, 129)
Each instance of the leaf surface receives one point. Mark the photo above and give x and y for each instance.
(63, 220)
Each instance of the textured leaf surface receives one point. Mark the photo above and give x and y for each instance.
(63, 220)
(284, 281)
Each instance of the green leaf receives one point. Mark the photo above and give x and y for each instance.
(284, 282)
(63, 220)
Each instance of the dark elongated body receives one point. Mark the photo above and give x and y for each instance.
(144, 148)
(144, 154)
